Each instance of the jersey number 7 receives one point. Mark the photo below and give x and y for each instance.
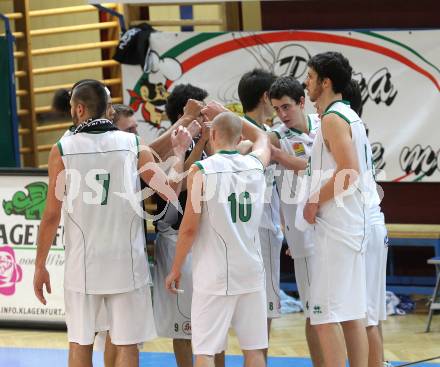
(104, 179)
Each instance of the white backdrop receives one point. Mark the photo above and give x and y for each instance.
(399, 72)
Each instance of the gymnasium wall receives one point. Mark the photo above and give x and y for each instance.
(204, 11)
(60, 40)
(339, 14)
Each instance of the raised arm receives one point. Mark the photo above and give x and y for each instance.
(288, 161)
(199, 147)
(161, 145)
(250, 131)
(260, 140)
(167, 187)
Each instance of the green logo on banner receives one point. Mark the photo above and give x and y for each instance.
(30, 205)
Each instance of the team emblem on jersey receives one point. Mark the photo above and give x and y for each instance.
(299, 150)
(186, 327)
(317, 310)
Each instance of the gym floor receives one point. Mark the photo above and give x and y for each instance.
(405, 341)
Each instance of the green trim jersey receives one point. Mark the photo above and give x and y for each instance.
(345, 217)
(271, 215)
(298, 144)
(226, 255)
(375, 214)
(104, 230)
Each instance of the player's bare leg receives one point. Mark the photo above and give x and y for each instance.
(375, 347)
(219, 359)
(381, 338)
(109, 352)
(314, 346)
(204, 361)
(80, 355)
(332, 344)
(183, 352)
(356, 340)
(265, 351)
(254, 358)
(127, 356)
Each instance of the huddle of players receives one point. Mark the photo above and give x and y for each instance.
(232, 216)
(334, 250)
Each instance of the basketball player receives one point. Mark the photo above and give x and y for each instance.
(173, 311)
(61, 103)
(223, 211)
(124, 118)
(104, 239)
(338, 213)
(297, 134)
(375, 257)
(253, 91)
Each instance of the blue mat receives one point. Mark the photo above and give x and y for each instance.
(27, 357)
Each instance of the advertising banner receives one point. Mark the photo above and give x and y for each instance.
(398, 71)
(23, 199)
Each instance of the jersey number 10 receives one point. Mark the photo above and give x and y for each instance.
(244, 206)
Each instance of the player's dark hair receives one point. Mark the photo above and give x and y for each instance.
(334, 66)
(61, 98)
(352, 93)
(286, 86)
(93, 95)
(178, 98)
(61, 102)
(252, 87)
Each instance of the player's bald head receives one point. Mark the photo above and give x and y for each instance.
(228, 127)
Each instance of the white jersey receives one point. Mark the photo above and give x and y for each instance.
(345, 217)
(297, 144)
(226, 253)
(68, 132)
(271, 215)
(375, 214)
(104, 233)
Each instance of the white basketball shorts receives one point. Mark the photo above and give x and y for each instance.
(375, 271)
(172, 311)
(129, 316)
(338, 288)
(271, 244)
(303, 278)
(212, 315)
